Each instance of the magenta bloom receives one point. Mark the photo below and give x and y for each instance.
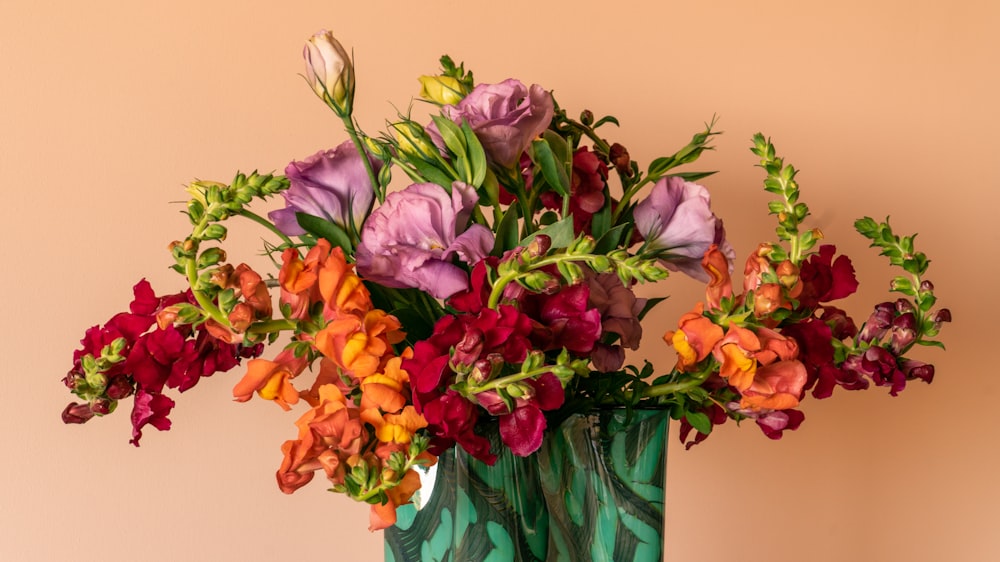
(332, 185)
(677, 221)
(826, 279)
(522, 430)
(506, 117)
(410, 240)
(619, 309)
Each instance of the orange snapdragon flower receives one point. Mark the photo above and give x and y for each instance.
(341, 288)
(330, 435)
(737, 355)
(694, 339)
(298, 277)
(777, 386)
(384, 515)
(720, 285)
(358, 344)
(271, 380)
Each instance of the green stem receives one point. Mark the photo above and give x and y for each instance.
(268, 225)
(363, 151)
(666, 389)
(270, 326)
(191, 271)
(510, 379)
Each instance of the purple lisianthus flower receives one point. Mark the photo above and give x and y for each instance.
(677, 222)
(410, 240)
(332, 185)
(505, 117)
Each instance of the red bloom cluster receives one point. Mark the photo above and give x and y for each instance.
(167, 356)
(480, 345)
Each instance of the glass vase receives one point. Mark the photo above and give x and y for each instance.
(593, 491)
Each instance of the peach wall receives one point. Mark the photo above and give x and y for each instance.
(108, 107)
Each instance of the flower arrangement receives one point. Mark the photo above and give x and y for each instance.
(494, 292)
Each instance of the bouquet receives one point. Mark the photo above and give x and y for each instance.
(493, 292)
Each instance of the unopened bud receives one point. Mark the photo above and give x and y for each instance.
(926, 286)
(620, 159)
(413, 140)
(330, 72)
(467, 351)
(77, 413)
(102, 406)
(587, 117)
(903, 306)
(486, 368)
(788, 273)
(941, 316)
(119, 388)
(442, 90)
(520, 390)
(220, 277)
(538, 246)
(584, 245)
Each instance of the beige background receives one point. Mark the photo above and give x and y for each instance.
(107, 108)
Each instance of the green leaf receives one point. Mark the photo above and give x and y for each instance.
(506, 232)
(693, 176)
(611, 239)
(699, 421)
(327, 230)
(432, 173)
(650, 303)
(451, 134)
(561, 233)
(601, 221)
(477, 155)
(553, 171)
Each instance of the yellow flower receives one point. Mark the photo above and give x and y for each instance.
(443, 90)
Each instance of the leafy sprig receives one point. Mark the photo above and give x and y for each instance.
(790, 211)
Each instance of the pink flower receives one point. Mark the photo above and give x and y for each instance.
(411, 239)
(332, 185)
(677, 223)
(506, 117)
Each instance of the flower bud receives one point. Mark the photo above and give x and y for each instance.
(538, 246)
(788, 273)
(413, 141)
(72, 379)
(520, 390)
(119, 388)
(101, 406)
(467, 350)
(903, 306)
(442, 90)
(330, 72)
(241, 317)
(943, 315)
(918, 370)
(620, 159)
(77, 413)
(587, 117)
(541, 282)
(926, 286)
(584, 245)
(485, 369)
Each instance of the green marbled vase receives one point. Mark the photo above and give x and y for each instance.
(593, 491)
